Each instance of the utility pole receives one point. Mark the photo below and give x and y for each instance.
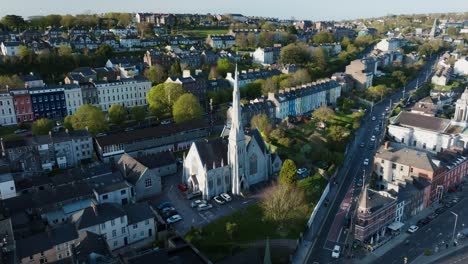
(404, 92)
(454, 226)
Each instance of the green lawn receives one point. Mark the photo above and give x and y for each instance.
(203, 33)
(7, 133)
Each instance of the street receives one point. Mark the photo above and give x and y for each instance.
(334, 226)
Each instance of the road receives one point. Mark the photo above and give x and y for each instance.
(458, 257)
(333, 229)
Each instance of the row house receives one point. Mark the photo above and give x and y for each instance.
(221, 41)
(123, 31)
(10, 48)
(251, 75)
(194, 85)
(413, 196)
(83, 41)
(304, 99)
(182, 40)
(127, 92)
(73, 97)
(124, 67)
(89, 93)
(253, 108)
(150, 42)
(120, 226)
(130, 41)
(7, 109)
(454, 169)
(157, 57)
(54, 32)
(76, 31)
(209, 57)
(49, 102)
(389, 44)
(32, 80)
(109, 40)
(266, 56)
(23, 105)
(442, 76)
(30, 34)
(192, 60)
(341, 32)
(45, 152)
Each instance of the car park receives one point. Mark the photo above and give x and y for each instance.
(226, 197)
(182, 187)
(196, 203)
(219, 200)
(169, 213)
(192, 195)
(174, 219)
(440, 210)
(164, 205)
(336, 251)
(366, 162)
(412, 229)
(205, 206)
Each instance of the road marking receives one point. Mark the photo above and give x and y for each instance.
(339, 235)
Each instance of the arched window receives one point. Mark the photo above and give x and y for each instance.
(253, 164)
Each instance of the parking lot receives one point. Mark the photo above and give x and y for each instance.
(191, 216)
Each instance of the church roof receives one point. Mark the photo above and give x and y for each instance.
(213, 151)
(254, 133)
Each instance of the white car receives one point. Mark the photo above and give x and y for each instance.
(301, 170)
(219, 200)
(366, 162)
(372, 138)
(336, 251)
(373, 118)
(204, 206)
(413, 229)
(196, 203)
(226, 197)
(174, 218)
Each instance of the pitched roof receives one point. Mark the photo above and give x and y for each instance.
(407, 156)
(91, 243)
(101, 213)
(424, 122)
(254, 133)
(372, 201)
(131, 168)
(212, 152)
(156, 160)
(138, 212)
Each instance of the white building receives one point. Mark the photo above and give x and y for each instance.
(73, 97)
(7, 109)
(390, 44)
(120, 226)
(229, 165)
(461, 110)
(263, 56)
(126, 92)
(7, 186)
(442, 76)
(10, 48)
(461, 66)
(130, 42)
(221, 41)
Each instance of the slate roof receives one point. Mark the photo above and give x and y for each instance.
(91, 243)
(46, 139)
(138, 212)
(108, 183)
(403, 155)
(372, 201)
(431, 123)
(157, 160)
(254, 133)
(104, 212)
(213, 152)
(131, 168)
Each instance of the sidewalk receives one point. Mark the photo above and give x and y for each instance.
(422, 259)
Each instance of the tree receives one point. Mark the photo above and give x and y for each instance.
(323, 37)
(338, 133)
(138, 113)
(88, 116)
(104, 50)
(295, 53)
(241, 41)
(162, 97)
(13, 22)
(186, 108)
(266, 39)
(175, 70)
(225, 66)
(270, 86)
(10, 82)
(42, 126)
(288, 172)
(345, 42)
(68, 21)
(452, 31)
(377, 92)
(25, 54)
(251, 39)
(284, 203)
(156, 74)
(262, 123)
(320, 58)
(214, 74)
(363, 41)
(301, 76)
(231, 229)
(400, 76)
(117, 114)
(64, 50)
(323, 113)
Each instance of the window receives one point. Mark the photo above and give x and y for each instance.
(147, 222)
(123, 191)
(253, 164)
(115, 244)
(105, 197)
(411, 170)
(112, 222)
(142, 233)
(393, 166)
(103, 226)
(123, 230)
(135, 226)
(122, 220)
(148, 183)
(114, 233)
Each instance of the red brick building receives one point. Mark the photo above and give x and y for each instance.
(23, 105)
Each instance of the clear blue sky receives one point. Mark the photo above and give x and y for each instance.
(300, 9)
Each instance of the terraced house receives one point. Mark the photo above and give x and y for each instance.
(127, 92)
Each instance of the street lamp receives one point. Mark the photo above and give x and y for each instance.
(454, 226)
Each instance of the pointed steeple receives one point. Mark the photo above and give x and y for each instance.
(236, 118)
(363, 206)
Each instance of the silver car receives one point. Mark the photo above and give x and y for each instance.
(205, 206)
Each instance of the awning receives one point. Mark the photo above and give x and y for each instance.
(395, 226)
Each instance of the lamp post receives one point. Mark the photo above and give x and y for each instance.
(454, 226)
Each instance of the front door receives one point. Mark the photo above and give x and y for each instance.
(125, 241)
(150, 232)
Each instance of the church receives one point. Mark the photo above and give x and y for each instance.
(229, 164)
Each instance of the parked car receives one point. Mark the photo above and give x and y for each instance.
(362, 145)
(301, 170)
(423, 222)
(226, 197)
(464, 232)
(372, 138)
(366, 162)
(359, 182)
(196, 203)
(166, 122)
(219, 200)
(173, 219)
(431, 216)
(182, 187)
(192, 195)
(169, 213)
(336, 251)
(19, 131)
(448, 204)
(167, 209)
(412, 229)
(204, 206)
(164, 205)
(440, 210)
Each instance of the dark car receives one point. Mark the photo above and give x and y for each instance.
(423, 222)
(448, 204)
(431, 216)
(440, 210)
(164, 205)
(362, 145)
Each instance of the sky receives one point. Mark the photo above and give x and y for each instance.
(299, 9)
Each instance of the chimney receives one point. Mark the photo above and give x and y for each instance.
(94, 206)
(386, 144)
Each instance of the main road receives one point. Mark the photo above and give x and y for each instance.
(332, 230)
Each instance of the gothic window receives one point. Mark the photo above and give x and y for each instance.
(253, 164)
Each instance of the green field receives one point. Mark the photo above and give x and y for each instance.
(203, 33)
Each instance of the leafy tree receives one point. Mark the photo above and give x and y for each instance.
(186, 108)
(68, 21)
(301, 76)
(117, 114)
(270, 86)
(291, 30)
(295, 53)
(25, 54)
(104, 50)
(452, 31)
(252, 90)
(88, 116)
(214, 74)
(224, 66)
(241, 41)
(400, 76)
(11, 82)
(338, 133)
(231, 229)
(251, 40)
(156, 74)
(363, 41)
(320, 58)
(262, 123)
(162, 97)
(345, 42)
(138, 113)
(323, 37)
(175, 69)
(284, 203)
(266, 39)
(377, 92)
(288, 172)
(323, 113)
(13, 22)
(64, 50)
(42, 126)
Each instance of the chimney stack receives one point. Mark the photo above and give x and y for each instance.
(386, 144)
(94, 206)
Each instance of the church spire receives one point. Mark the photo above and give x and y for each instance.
(236, 119)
